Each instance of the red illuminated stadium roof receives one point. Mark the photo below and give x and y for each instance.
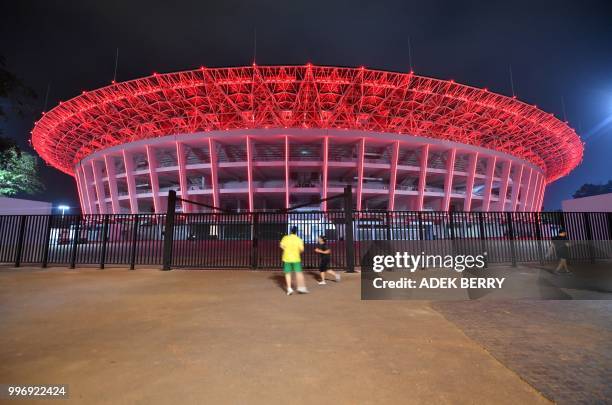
(303, 97)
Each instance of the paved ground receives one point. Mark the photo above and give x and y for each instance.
(149, 337)
(562, 348)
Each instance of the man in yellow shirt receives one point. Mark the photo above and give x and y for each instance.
(293, 247)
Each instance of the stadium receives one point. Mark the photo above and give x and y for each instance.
(260, 138)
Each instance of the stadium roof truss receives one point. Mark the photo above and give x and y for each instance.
(208, 99)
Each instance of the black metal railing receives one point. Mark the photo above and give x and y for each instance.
(506, 237)
(219, 239)
(222, 239)
(81, 239)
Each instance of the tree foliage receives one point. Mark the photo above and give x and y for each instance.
(588, 189)
(18, 169)
(18, 172)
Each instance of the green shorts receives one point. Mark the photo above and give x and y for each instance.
(288, 267)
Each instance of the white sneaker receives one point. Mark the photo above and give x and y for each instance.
(290, 291)
(303, 290)
(322, 282)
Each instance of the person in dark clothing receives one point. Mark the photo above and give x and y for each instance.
(324, 253)
(561, 248)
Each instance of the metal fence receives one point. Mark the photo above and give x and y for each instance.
(241, 240)
(81, 239)
(251, 239)
(505, 237)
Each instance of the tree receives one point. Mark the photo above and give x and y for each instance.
(18, 169)
(587, 189)
(18, 173)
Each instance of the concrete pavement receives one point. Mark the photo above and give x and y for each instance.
(149, 337)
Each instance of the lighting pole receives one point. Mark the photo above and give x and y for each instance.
(63, 208)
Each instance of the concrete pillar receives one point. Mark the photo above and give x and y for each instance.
(540, 201)
(525, 190)
(287, 201)
(85, 201)
(129, 177)
(516, 187)
(422, 177)
(469, 184)
(532, 194)
(325, 172)
(503, 188)
(360, 165)
(180, 157)
(250, 172)
(486, 200)
(448, 178)
(91, 194)
(152, 158)
(393, 176)
(214, 171)
(112, 183)
(97, 175)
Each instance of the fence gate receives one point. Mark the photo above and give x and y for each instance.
(221, 239)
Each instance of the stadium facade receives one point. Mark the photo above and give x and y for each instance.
(271, 137)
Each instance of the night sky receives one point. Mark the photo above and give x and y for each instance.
(558, 50)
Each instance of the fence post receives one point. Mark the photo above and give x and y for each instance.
(511, 236)
(562, 222)
(255, 240)
(45, 260)
(169, 230)
(538, 230)
(609, 220)
(421, 231)
(104, 241)
(20, 237)
(134, 242)
(451, 223)
(589, 235)
(388, 218)
(75, 241)
(481, 232)
(348, 237)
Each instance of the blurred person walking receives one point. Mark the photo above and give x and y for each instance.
(560, 246)
(324, 253)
